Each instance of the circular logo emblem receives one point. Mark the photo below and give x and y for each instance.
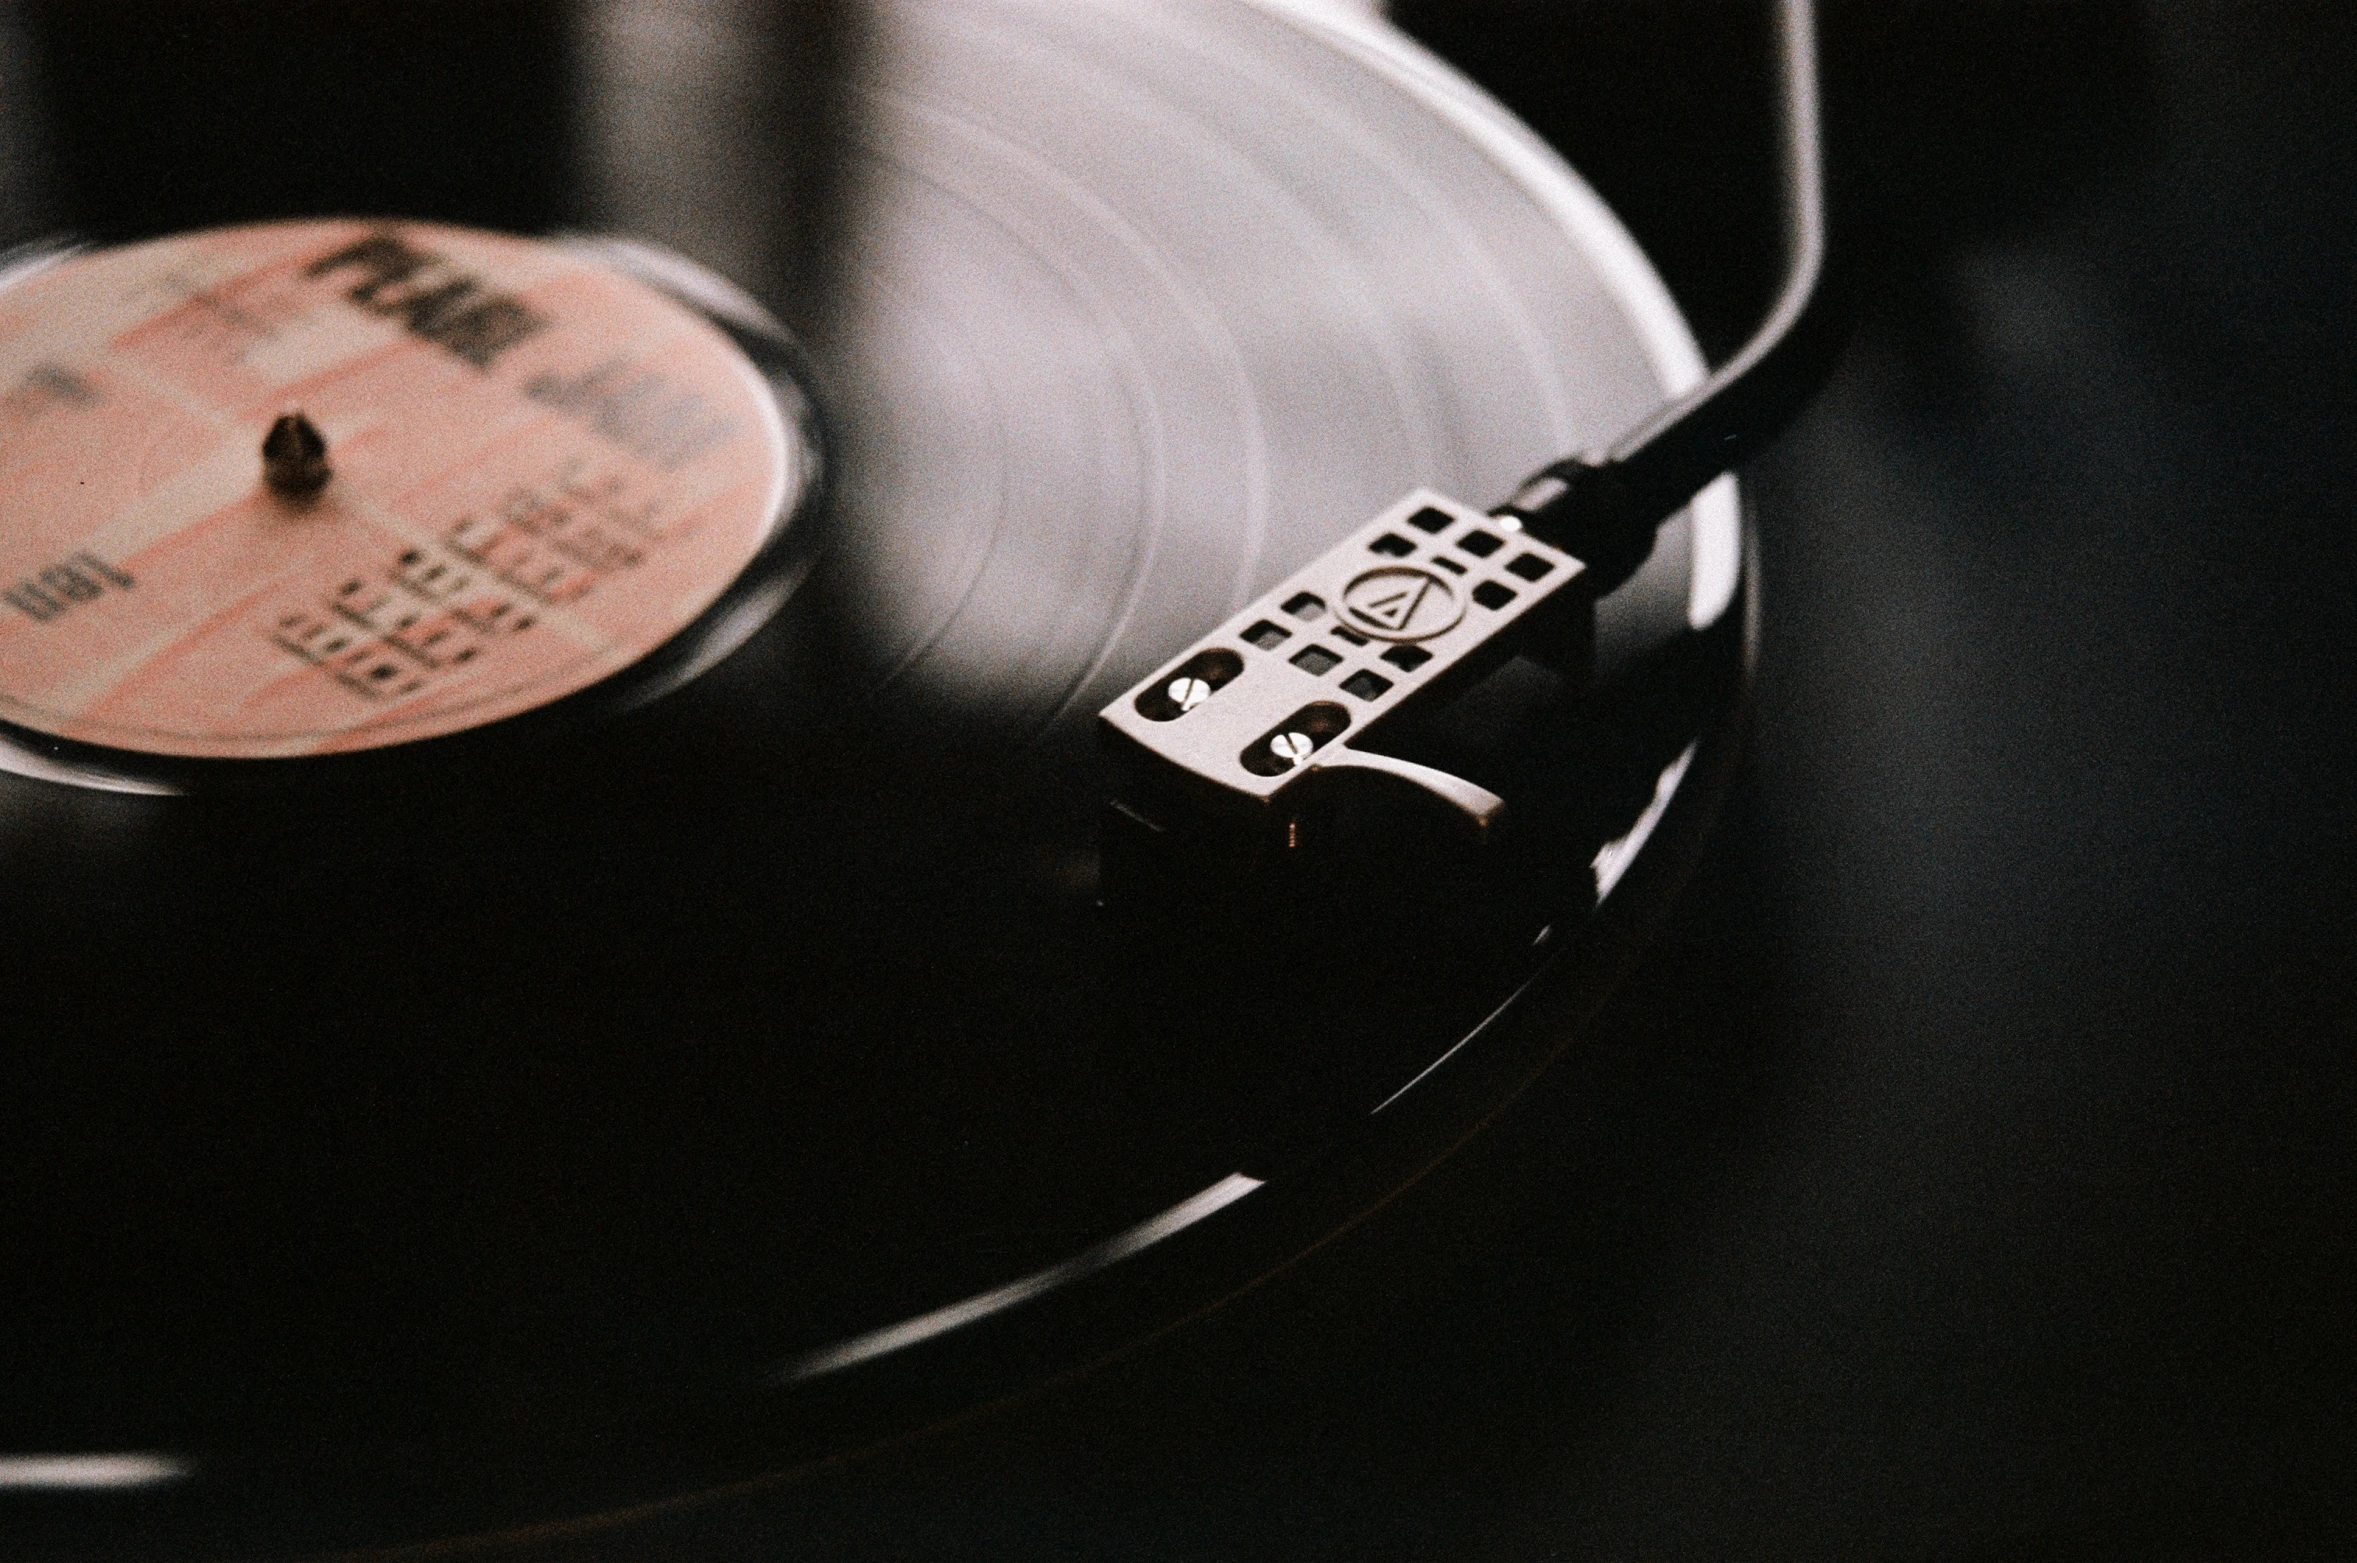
(1401, 602)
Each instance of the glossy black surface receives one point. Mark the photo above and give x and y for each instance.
(1967, 1173)
(542, 1127)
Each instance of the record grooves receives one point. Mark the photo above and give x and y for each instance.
(729, 1068)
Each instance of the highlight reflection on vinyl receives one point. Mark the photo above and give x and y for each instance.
(1146, 308)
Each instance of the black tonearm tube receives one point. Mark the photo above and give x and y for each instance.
(1603, 506)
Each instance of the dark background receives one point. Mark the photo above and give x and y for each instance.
(1968, 1172)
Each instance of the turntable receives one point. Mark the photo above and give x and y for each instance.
(726, 729)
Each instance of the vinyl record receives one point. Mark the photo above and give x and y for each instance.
(594, 1111)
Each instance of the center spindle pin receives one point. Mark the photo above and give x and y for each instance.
(294, 458)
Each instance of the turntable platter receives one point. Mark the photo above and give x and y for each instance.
(639, 1103)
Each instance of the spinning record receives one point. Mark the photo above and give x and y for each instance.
(744, 1046)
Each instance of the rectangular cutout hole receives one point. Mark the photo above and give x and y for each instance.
(1407, 658)
(1316, 660)
(1480, 544)
(1431, 520)
(1305, 605)
(1351, 635)
(1366, 685)
(1392, 547)
(1530, 567)
(1267, 636)
(1448, 564)
(1491, 595)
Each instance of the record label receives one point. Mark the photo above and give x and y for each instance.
(536, 472)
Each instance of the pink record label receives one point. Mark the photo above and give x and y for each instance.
(542, 471)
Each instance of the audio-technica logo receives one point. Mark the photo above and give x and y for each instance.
(1402, 602)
